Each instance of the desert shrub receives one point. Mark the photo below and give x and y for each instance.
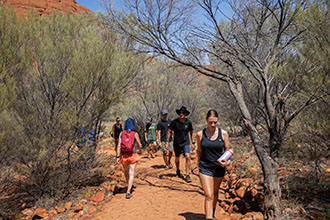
(74, 72)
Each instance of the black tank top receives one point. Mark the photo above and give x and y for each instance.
(211, 150)
(118, 130)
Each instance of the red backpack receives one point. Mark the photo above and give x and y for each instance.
(127, 142)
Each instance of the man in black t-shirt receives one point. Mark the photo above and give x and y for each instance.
(180, 128)
(162, 128)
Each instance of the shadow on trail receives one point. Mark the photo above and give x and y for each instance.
(192, 216)
(119, 190)
(167, 175)
(158, 166)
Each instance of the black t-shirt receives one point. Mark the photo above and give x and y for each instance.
(163, 127)
(181, 132)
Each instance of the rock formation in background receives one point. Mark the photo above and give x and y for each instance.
(45, 7)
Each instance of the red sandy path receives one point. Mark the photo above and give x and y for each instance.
(159, 195)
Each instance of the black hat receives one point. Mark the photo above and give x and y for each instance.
(182, 109)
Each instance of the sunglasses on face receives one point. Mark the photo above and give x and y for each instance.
(181, 113)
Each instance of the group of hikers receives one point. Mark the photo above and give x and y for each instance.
(177, 136)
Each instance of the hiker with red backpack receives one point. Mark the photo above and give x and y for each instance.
(127, 154)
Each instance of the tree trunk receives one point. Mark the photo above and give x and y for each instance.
(272, 190)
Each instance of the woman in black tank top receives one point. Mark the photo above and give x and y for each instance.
(212, 142)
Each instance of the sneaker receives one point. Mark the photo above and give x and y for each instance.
(188, 179)
(170, 166)
(178, 173)
(128, 195)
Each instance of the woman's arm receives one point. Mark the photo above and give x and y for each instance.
(225, 138)
(199, 145)
(113, 131)
(137, 138)
(145, 135)
(118, 147)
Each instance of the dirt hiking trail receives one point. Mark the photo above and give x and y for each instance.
(159, 194)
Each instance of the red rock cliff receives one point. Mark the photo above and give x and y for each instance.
(45, 7)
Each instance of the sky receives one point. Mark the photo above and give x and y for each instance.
(94, 5)
(97, 5)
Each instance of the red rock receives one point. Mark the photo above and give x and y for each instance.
(236, 216)
(254, 192)
(231, 208)
(220, 211)
(60, 210)
(281, 168)
(78, 207)
(91, 210)
(72, 214)
(327, 170)
(68, 205)
(252, 170)
(98, 197)
(83, 217)
(113, 188)
(241, 192)
(40, 212)
(52, 212)
(45, 7)
(225, 206)
(254, 216)
(221, 196)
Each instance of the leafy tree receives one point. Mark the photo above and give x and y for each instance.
(253, 46)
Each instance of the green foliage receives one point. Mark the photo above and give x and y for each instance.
(58, 73)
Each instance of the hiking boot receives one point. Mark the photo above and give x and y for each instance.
(128, 195)
(188, 179)
(178, 173)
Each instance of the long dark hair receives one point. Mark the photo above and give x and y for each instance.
(212, 113)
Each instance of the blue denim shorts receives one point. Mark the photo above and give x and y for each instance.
(181, 150)
(218, 171)
(150, 142)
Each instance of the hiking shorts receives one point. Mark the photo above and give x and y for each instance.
(181, 150)
(151, 142)
(218, 171)
(170, 146)
(129, 159)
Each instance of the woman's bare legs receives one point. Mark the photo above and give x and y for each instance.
(210, 186)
